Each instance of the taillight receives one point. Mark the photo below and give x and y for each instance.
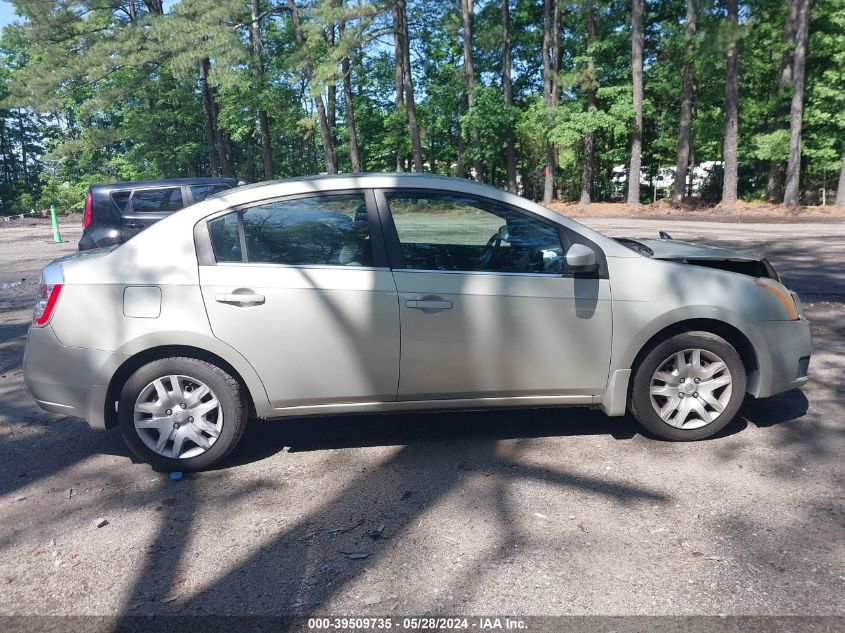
(48, 295)
(86, 216)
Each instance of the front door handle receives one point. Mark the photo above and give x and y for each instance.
(428, 304)
(239, 299)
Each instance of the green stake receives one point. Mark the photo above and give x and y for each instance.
(57, 237)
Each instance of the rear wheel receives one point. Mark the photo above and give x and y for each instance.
(688, 387)
(181, 414)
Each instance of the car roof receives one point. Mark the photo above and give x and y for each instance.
(323, 182)
(165, 182)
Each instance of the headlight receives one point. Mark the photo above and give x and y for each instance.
(782, 295)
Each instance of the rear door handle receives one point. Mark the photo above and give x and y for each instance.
(135, 225)
(239, 299)
(427, 304)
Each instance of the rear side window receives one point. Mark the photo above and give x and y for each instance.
(157, 200)
(225, 238)
(329, 230)
(120, 199)
(201, 192)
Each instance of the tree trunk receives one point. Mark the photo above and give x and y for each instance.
(587, 171)
(791, 196)
(507, 93)
(410, 104)
(460, 168)
(349, 109)
(399, 56)
(691, 172)
(549, 83)
(637, 76)
(683, 153)
(469, 73)
(263, 120)
(325, 131)
(331, 91)
(22, 129)
(777, 170)
(729, 151)
(840, 190)
(208, 116)
(222, 141)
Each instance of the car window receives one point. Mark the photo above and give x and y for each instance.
(157, 200)
(451, 232)
(225, 238)
(328, 230)
(201, 192)
(120, 198)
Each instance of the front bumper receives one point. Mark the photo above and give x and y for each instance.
(783, 356)
(68, 380)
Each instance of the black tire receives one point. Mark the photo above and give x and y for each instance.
(640, 398)
(226, 389)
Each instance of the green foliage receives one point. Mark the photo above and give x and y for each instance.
(485, 125)
(773, 145)
(89, 93)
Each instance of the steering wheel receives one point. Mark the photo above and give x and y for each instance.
(490, 258)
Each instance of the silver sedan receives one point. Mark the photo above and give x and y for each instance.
(397, 292)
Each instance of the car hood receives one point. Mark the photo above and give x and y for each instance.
(713, 257)
(681, 250)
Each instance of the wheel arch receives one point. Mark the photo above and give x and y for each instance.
(138, 360)
(732, 334)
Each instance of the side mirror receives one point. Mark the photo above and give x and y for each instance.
(581, 259)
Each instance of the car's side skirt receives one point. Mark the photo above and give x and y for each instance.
(436, 405)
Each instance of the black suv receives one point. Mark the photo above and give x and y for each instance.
(117, 211)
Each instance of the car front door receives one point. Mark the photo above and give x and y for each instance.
(301, 287)
(487, 306)
(148, 206)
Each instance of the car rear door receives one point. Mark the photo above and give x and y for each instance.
(149, 205)
(301, 287)
(487, 307)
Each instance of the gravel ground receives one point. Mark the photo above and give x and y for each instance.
(521, 512)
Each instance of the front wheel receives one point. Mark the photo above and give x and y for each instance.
(688, 387)
(181, 414)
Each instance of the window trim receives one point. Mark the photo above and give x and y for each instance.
(565, 235)
(205, 250)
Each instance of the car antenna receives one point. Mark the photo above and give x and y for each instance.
(665, 236)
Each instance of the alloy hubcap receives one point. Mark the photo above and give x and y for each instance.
(178, 416)
(691, 388)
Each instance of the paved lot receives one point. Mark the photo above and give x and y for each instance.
(523, 512)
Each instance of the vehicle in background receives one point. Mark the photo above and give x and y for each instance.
(117, 211)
